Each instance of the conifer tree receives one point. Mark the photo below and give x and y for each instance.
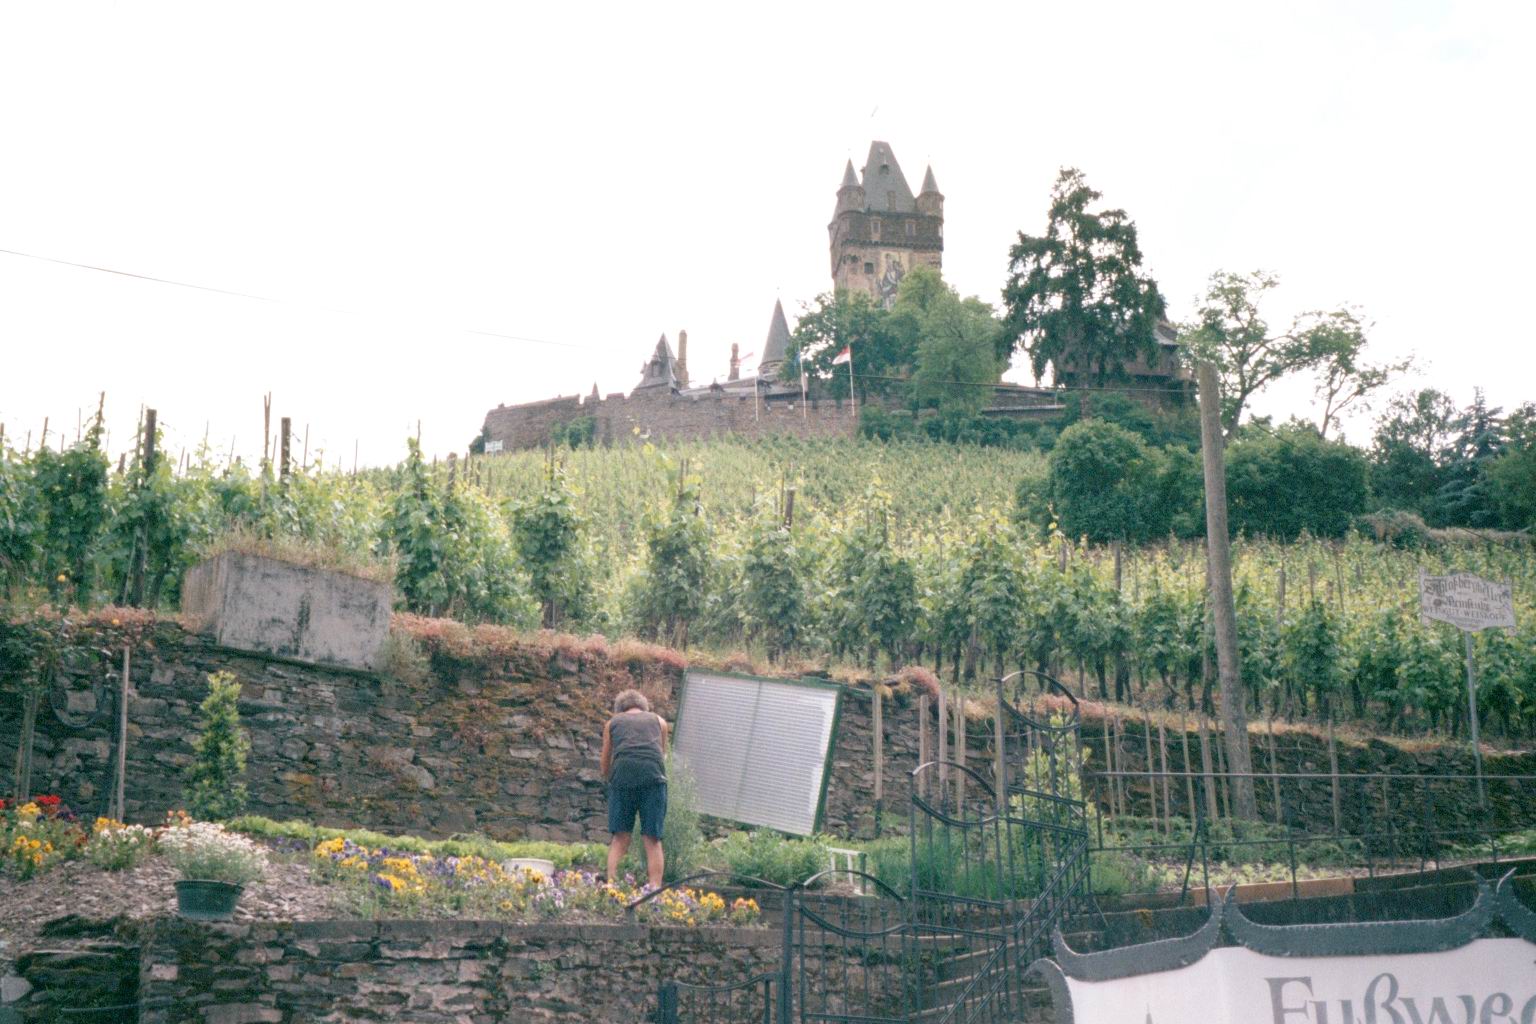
(216, 780)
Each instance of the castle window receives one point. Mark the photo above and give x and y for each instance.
(874, 228)
(911, 229)
(869, 268)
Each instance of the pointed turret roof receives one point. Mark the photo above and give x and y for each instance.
(661, 370)
(776, 348)
(929, 183)
(850, 179)
(885, 187)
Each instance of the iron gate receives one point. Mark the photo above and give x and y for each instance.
(996, 864)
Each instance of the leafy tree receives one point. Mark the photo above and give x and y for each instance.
(72, 490)
(957, 356)
(1411, 449)
(883, 358)
(1314, 655)
(1101, 477)
(1076, 296)
(216, 777)
(873, 587)
(1231, 331)
(1284, 482)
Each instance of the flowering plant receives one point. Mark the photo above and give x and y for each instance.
(37, 835)
(114, 846)
(210, 852)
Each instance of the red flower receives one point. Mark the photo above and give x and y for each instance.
(49, 805)
(4, 804)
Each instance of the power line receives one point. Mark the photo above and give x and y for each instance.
(266, 298)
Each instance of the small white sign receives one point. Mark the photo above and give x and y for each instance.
(1467, 601)
(491, 447)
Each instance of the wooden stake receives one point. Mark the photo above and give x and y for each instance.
(1333, 776)
(1274, 776)
(287, 438)
(878, 721)
(1162, 753)
(922, 742)
(960, 747)
(943, 761)
(1206, 770)
(119, 798)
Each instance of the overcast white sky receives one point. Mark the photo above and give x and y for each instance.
(397, 176)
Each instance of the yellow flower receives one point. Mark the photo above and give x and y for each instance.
(62, 578)
(115, 622)
(330, 847)
(28, 811)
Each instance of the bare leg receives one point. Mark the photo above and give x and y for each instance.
(617, 848)
(655, 860)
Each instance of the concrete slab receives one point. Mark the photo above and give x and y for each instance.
(265, 605)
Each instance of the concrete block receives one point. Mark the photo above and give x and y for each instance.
(254, 603)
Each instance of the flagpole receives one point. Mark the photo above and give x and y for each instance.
(853, 402)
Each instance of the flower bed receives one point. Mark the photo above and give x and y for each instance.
(381, 882)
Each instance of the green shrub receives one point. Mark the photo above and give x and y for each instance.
(216, 783)
(774, 858)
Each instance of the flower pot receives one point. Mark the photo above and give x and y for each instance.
(203, 900)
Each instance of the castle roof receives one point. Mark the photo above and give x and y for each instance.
(850, 179)
(776, 348)
(885, 187)
(661, 370)
(930, 184)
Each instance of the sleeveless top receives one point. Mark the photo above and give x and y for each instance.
(637, 759)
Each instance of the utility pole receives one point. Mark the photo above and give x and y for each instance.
(1234, 718)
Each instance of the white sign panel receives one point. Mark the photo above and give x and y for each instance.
(1489, 981)
(492, 447)
(1467, 601)
(757, 748)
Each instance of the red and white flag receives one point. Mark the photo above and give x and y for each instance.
(845, 356)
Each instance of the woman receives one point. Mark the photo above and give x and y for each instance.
(635, 768)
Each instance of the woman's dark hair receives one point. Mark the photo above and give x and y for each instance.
(628, 699)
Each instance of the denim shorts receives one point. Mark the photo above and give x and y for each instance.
(650, 802)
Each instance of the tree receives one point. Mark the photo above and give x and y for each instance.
(216, 778)
(673, 589)
(1411, 449)
(1232, 333)
(1282, 482)
(1465, 497)
(1512, 476)
(1344, 379)
(957, 343)
(883, 359)
(1101, 477)
(1076, 296)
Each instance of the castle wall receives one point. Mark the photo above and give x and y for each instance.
(658, 414)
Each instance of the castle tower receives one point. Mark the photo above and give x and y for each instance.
(880, 230)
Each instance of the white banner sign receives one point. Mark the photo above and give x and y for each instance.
(1489, 981)
(1467, 601)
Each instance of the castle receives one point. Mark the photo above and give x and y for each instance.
(879, 232)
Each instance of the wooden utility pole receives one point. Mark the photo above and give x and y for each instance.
(1234, 718)
(141, 535)
(287, 429)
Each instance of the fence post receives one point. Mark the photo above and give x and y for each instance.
(999, 743)
(922, 743)
(666, 1003)
(787, 961)
(877, 715)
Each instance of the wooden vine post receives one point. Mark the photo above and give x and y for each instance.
(119, 795)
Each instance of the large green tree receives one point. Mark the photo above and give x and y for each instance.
(1077, 295)
(1284, 481)
(1231, 331)
(1410, 450)
(956, 343)
(883, 358)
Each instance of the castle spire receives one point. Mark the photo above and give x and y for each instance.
(850, 179)
(929, 183)
(776, 348)
(661, 370)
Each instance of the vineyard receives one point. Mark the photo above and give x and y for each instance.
(863, 554)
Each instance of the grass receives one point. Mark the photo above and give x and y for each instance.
(309, 554)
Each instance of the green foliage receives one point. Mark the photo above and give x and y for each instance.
(1284, 482)
(957, 344)
(578, 433)
(1107, 484)
(216, 777)
(772, 857)
(1076, 296)
(872, 595)
(547, 530)
(453, 553)
(773, 590)
(71, 488)
(562, 855)
(671, 590)
(883, 357)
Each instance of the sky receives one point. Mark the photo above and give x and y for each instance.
(442, 207)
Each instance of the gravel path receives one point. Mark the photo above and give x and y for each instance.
(78, 888)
